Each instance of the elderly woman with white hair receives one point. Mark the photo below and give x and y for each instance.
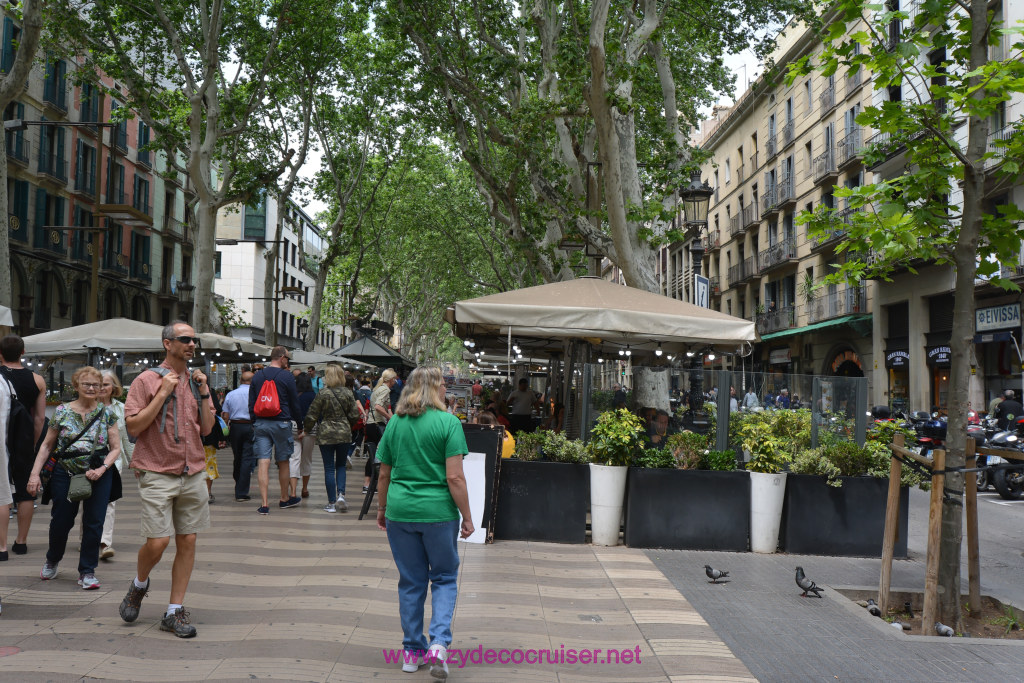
(108, 395)
(422, 492)
(377, 419)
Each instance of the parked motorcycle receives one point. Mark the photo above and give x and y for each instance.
(1009, 481)
(931, 431)
(982, 431)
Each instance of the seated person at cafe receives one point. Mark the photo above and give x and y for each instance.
(659, 430)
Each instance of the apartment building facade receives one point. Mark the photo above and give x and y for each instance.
(245, 235)
(78, 185)
(778, 151)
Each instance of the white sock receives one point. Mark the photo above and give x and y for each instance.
(171, 609)
(139, 584)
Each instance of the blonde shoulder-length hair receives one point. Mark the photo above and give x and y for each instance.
(422, 391)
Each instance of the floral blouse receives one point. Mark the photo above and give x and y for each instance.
(69, 424)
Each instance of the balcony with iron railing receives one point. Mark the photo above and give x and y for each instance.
(734, 226)
(85, 183)
(778, 254)
(740, 174)
(142, 158)
(121, 138)
(853, 80)
(788, 133)
(769, 203)
(995, 138)
(712, 241)
(820, 240)
(49, 240)
(141, 272)
(770, 149)
(17, 149)
(743, 271)
(823, 168)
(54, 168)
(17, 228)
(749, 218)
(115, 263)
(783, 318)
(55, 94)
(891, 144)
(892, 35)
(141, 202)
(827, 99)
(850, 148)
(715, 284)
(786, 194)
(837, 302)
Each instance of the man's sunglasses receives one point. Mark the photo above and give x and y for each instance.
(187, 340)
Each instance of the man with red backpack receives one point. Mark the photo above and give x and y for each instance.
(274, 405)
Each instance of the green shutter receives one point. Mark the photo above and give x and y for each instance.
(7, 55)
(40, 239)
(21, 200)
(59, 163)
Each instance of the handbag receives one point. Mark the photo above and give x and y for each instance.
(80, 488)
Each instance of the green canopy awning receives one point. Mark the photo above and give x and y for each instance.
(846, 319)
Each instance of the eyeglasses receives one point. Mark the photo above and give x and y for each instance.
(90, 385)
(187, 340)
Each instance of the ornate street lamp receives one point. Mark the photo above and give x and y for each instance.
(696, 200)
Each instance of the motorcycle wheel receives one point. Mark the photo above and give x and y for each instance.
(1009, 483)
(982, 481)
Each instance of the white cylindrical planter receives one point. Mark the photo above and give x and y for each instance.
(607, 488)
(767, 492)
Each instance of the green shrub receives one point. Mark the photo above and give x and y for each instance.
(721, 461)
(813, 461)
(688, 449)
(656, 458)
(528, 446)
(617, 438)
(559, 448)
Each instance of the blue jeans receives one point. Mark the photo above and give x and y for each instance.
(273, 439)
(425, 552)
(334, 455)
(240, 438)
(62, 519)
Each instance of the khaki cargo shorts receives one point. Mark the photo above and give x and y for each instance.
(173, 503)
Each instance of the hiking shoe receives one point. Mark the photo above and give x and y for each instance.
(49, 571)
(88, 582)
(106, 552)
(290, 503)
(263, 510)
(330, 508)
(436, 655)
(411, 662)
(341, 504)
(129, 609)
(177, 623)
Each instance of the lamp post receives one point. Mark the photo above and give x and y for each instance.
(94, 280)
(696, 200)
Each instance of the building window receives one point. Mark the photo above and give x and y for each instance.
(143, 154)
(140, 199)
(810, 100)
(11, 36)
(91, 98)
(255, 220)
(121, 131)
(216, 264)
(728, 172)
(55, 84)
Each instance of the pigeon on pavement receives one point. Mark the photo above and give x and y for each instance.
(873, 608)
(714, 574)
(943, 630)
(809, 586)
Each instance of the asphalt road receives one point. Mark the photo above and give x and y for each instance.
(1001, 542)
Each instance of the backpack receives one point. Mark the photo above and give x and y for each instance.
(20, 432)
(170, 401)
(268, 404)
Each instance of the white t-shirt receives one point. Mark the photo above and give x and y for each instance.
(6, 497)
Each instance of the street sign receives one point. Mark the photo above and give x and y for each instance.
(701, 291)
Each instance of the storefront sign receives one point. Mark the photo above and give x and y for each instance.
(939, 355)
(779, 356)
(897, 360)
(1002, 317)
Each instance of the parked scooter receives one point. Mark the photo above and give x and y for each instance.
(1009, 481)
(931, 431)
(982, 431)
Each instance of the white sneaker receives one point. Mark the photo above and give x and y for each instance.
(342, 504)
(411, 663)
(437, 655)
(330, 508)
(88, 582)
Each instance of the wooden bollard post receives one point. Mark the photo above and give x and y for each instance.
(931, 574)
(892, 523)
(971, 509)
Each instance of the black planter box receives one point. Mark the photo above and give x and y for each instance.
(542, 501)
(818, 519)
(687, 509)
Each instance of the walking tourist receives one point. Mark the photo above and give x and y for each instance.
(82, 440)
(301, 462)
(168, 411)
(377, 419)
(273, 434)
(236, 413)
(29, 389)
(111, 391)
(422, 492)
(332, 413)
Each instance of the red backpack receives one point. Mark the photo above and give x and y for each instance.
(267, 402)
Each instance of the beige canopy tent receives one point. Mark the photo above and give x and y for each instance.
(608, 316)
(122, 335)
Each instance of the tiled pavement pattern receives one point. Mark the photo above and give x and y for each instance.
(781, 636)
(306, 595)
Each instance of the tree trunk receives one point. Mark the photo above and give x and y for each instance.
(206, 233)
(270, 293)
(650, 388)
(314, 307)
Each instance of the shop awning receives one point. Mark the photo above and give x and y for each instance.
(857, 317)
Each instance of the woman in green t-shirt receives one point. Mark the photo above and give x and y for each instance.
(422, 492)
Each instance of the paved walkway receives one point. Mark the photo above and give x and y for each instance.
(310, 596)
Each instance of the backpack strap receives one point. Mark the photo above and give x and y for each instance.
(163, 372)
